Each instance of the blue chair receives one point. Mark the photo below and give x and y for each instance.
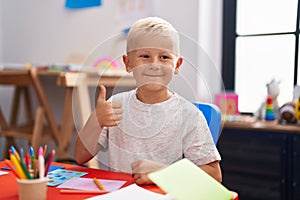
(212, 115)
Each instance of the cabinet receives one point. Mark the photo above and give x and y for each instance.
(261, 160)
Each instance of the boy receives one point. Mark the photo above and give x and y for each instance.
(148, 128)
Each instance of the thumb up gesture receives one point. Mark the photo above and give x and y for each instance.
(108, 113)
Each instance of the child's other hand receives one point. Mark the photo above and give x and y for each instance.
(141, 169)
(108, 113)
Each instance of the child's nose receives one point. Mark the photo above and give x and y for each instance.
(154, 66)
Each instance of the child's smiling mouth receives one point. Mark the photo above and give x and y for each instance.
(154, 75)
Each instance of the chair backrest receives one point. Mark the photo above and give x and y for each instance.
(212, 115)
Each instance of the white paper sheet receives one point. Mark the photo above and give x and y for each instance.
(133, 192)
(3, 173)
(88, 184)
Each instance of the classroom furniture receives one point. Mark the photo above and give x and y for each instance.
(212, 115)
(261, 160)
(77, 96)
(32, 130)
(9, 190)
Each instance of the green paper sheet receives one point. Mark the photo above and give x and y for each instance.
(184, 180)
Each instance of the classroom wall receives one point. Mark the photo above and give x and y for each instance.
(184, 16)
(44, 32)
(210, 49)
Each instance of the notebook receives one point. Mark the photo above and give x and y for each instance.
(184, 180)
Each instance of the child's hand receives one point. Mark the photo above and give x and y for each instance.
(141, 169)
(108, 113)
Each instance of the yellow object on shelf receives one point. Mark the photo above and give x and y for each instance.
(297, 110)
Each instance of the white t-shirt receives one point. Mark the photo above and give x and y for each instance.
(164, 132)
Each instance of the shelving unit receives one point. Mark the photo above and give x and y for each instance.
(261, 160)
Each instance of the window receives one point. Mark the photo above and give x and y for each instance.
(260, 43)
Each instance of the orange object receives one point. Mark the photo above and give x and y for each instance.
(11, 168)
(99, 185)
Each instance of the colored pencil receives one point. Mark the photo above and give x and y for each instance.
(41, 160)
(100, 186)
(27, 160)
(49, 160)
(18, 166)
(25, 170)
(8, 162)
(45, 150)
(32, 159)
(21, 153)
(15, 152)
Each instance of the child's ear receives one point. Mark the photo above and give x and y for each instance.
(126, 63)
(178, 64)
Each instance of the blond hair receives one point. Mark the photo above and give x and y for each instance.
(155, 29)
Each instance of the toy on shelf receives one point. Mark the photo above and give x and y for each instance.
(273, 91)
(270, 114)
(228, 103)
(297, 110)
(287, 112)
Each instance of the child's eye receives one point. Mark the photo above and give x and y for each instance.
(164, 57)
(144, 56)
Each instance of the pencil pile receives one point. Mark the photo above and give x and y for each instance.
(27, 166)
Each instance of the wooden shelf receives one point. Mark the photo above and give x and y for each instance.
(262, 125)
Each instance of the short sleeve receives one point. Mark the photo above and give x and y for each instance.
(198, 143)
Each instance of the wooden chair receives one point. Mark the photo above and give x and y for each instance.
(32, 129)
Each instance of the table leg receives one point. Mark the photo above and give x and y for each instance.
(46, 107)
(83, 95)
(67, 126)
(9, 140)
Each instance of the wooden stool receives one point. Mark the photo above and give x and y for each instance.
(32, 129)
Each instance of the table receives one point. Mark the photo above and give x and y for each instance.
(9, 191)
(21, 80)
(77, 85)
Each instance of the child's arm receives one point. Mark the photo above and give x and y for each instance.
(87, 141)
(141, 169)
(106, 114)
(213, 169)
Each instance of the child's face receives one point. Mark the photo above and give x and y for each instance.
(152, 67)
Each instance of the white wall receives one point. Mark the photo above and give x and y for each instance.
(44, 32)
(199, 23)
(5, 92)
(210, 52)
(184, 16)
